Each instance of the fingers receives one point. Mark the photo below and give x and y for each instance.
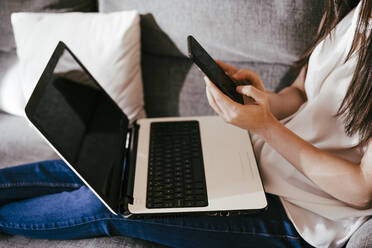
(221, 99)
(212, 101)
(229, 69)
(248, 100)
(250, 77)
(222, 104)
(251, 91)
(241, 74)
(245, 74)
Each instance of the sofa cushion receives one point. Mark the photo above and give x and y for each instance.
(20, 143)
(108, 45)
(175, 87)
(105, 242)
(239, 30)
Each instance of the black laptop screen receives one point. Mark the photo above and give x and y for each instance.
(82, 122)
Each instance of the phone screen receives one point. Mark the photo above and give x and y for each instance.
(213, 71)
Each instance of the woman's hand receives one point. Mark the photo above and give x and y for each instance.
(255, 117)
(244, 76)
(282, 104)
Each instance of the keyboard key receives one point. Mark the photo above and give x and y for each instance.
(188, 192)
(168, 175)
(178, 173)
(168, 204)
(188, 186)
(157, 189)
(198, 185)
(201, 203)
(197, 170)
(199, 197)
(168, 197)
(168, 185)
(188, 181)
(179, 203)
(158, 178)
(158, 194)
(198, 192)
(189, 198)
(168, 191)
(178, 195)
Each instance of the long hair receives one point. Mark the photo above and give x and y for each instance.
(356, 107)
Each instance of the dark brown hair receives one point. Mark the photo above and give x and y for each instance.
(356, 107)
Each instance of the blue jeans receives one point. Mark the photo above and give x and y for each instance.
(46, 200)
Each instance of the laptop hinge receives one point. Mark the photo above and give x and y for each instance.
(129, 167)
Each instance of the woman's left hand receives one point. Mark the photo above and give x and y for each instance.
(255, 116)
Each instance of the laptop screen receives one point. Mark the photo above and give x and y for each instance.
(82, 122)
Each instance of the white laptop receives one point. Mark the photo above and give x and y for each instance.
(152, 167)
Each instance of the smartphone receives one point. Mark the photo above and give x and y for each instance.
(213, 71)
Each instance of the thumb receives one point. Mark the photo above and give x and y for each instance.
(249, 90)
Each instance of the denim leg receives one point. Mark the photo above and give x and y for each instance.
(36, 179)
(79, 214)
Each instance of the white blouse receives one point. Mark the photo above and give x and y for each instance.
(320, 219)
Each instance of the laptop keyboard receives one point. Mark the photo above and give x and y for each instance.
(176, 171)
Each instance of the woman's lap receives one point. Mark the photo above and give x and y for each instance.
(69, 210)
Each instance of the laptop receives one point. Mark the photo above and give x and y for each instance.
(152, 166)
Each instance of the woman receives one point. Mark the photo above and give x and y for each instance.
(318, 159)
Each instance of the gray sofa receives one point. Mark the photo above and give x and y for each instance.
(264, 35)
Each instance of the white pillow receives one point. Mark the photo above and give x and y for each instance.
(107, 44)
(12, 99)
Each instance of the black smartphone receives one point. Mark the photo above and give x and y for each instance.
(213, 71)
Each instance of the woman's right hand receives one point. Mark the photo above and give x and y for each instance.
(242, 75)
(282, 104)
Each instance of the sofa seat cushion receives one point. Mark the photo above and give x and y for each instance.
(7, 241)
(20, 143)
